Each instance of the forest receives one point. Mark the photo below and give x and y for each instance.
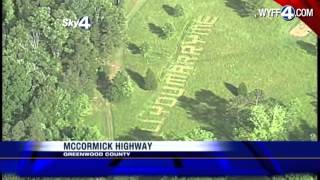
(50, 71)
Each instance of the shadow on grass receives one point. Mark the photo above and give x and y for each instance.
(136, 77)
(103, 83)
(210, 110)
(233, 89)
(168, 9)
(302, 132)
(238, 6)
(152, 178)
(136, 134)
(133, 48)
(156, 30)
(314, 102)
(222, 116)
(308, 47)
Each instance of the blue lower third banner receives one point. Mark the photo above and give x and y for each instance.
(167, 158)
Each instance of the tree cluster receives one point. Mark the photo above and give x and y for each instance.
(248, 115)
(258, 117)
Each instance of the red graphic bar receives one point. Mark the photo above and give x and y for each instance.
(312, 22)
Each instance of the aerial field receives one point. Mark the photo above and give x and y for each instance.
(232, 49)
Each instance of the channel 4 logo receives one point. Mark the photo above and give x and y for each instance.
(287, 12)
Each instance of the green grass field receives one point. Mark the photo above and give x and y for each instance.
(257, 51)
(98, 116)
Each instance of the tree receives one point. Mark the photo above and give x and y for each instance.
(59, 34)
(87, 133)
(109, 31)
(196, 134)
(242, 89)
(295, 177)
(144, 49)
(81, 64)
(251, 6)
(199, 134)
(168, 30)
(150, 81)
(239, 107)
(18, 131)
(257, 117)
(178, 10)
(6, 131)
(36, 127)
(120, 88)
(269, 122)
(119, 3)
(8, 11)
(103, 82)
(19, 71)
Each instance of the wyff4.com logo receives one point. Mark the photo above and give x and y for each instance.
(288, 13)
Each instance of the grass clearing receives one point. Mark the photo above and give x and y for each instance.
(98, 116)
(260, 52)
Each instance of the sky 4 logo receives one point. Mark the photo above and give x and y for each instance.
(83, 22)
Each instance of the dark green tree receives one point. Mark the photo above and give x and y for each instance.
(168, 30)
(144, 49)
(18, 131)
(103, 82)
(242, 89)
(8, 11)
(121, 87)
(150, 81)
(251, 6)
(178, 10)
